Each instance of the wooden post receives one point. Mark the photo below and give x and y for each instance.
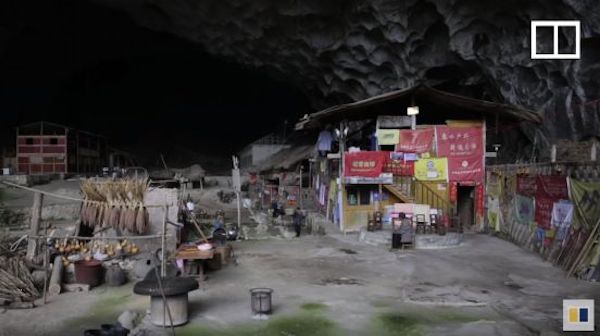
(46, 257)
(36, 215)
(163, 269)
(380, 198)
(56, 278)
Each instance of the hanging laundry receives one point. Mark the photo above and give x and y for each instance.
(324, 141)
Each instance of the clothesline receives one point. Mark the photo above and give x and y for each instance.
(99, 238)
(71, 198)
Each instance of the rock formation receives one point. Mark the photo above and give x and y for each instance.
(339, 51)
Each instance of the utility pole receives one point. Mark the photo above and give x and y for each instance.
(237, 187)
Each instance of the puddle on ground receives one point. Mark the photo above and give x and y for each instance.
(296, 325)
(512, 285)
(341, 281)
(348, 251)
(313, 306)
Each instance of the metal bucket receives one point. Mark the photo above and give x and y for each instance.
(260, 300)
(88, 272)
(115, 276)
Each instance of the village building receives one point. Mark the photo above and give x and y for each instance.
(419, 151)
(45, 148)
(260, 150)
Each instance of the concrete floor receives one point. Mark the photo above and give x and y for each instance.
(334, 285)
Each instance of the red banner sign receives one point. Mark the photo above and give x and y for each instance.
(550, 189)
(459, 141)
(466, 169)
(526, 185)
(464, 148)
(480, 199)
(415, 141)
(400, 167)
(453, 192)
(366, 164)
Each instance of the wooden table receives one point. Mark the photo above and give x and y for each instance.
(193, 260)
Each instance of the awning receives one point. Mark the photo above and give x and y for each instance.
(286, 158)
(435, 107)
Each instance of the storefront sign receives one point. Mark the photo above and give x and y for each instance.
(384, 178)
(550, 189)
(416, 141)
(388, 136)
(464, 147)
(526, 185)
(434, 169)
(365, 164)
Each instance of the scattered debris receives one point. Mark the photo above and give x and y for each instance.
(76, 287)
(226, 197)
(127, 319)
(16, 283)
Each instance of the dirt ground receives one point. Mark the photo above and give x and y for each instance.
(334, 285)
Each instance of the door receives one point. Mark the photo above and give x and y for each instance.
(466, 206)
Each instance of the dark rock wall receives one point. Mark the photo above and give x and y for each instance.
(339, 51)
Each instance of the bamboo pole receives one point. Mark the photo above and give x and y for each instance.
(100, 238)
(585, 249)
(68, 197)
(36, 215)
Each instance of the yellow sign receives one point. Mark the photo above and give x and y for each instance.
(388, 136)
(433, 169)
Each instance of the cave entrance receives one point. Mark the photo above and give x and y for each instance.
(466, 206)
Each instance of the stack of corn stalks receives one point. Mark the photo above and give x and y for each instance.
(16, 283)
(116, 204)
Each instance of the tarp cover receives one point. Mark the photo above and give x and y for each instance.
(550, 189)
(586, 199)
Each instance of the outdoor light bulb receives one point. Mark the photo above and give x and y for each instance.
(337, 132)
(412, 110)
(345, 131)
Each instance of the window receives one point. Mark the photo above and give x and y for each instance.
(359, 195)
(29, 141)
(54, 141)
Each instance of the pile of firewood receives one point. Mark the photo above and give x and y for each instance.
(16, 283)
(115, 204)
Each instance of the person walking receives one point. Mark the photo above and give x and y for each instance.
(297, 218)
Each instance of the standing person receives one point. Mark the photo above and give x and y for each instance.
(297, 217)
(219, 222)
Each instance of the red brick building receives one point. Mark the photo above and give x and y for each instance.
(49, 148)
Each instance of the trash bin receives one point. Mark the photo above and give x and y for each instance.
(260, 300)
(88, 272)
